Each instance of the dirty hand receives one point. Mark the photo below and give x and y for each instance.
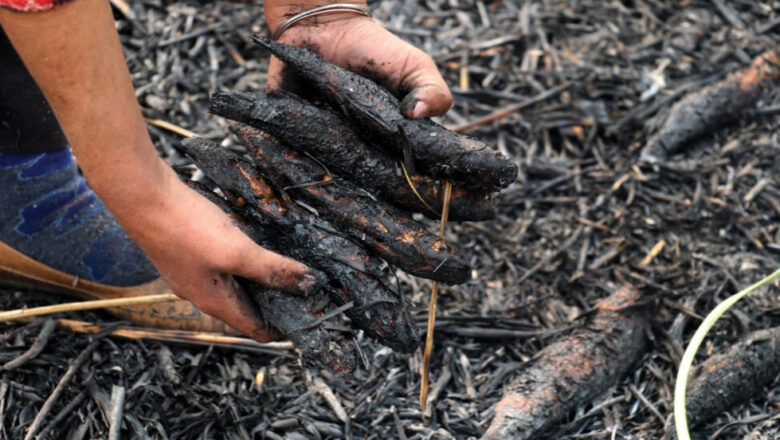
(360, 44)
(197, 249)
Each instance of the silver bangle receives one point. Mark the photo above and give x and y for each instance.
(319, 10)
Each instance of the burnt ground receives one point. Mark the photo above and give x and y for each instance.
(577, 224)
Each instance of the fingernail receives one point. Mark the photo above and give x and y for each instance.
(420, 109)
(307, 282)
(408, 104)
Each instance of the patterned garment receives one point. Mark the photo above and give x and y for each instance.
(30, 5)
(49, 213)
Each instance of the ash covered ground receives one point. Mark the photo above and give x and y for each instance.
(576, 225)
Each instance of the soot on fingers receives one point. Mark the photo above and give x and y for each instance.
(408, 103)
(375, 72)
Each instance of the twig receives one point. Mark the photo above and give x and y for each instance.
(49, 403)
(189, 36)
(165, 125)
(653, 252)
(35, 349)
(64, 412)
(13, 315)
(182, 337)
(445, 212)
(399, 429)
(729, 14)
(117, 410)
(508, 110)
(647, 403)
(498, 333)
(327, 316)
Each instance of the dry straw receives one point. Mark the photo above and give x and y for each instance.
(13, 315)
(445, 210)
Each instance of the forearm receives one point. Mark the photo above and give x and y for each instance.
(73, 52)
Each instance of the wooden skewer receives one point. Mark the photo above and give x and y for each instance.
(13, 315)
(445, 211)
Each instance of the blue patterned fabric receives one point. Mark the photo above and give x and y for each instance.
(49, 213)
(45, 164)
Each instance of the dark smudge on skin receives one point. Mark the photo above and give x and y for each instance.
(408, 103)
(370, 69)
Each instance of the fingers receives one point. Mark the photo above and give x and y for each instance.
(273, 270)
(228, 302)
(406, 69)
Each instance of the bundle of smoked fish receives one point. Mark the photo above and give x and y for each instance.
(333, 182)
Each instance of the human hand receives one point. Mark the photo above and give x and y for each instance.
(197, 249)
(360, 44)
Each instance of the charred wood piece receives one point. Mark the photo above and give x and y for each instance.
(714, 106)
(572, 371)
(327, 138)
(731, 378)
(384, 230)
(296, 318)
(377, 114)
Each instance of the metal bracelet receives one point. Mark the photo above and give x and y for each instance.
(319, 10)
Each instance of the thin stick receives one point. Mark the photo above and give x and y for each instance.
(35, 349)
(64, 412)
(445, 212)
(653, 252)
(49, 403)
(182, 337)
(439, 385)
(181, 131)
(13, 315)
(508, 110)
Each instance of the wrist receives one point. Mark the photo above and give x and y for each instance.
(136, 187)
(278, 11)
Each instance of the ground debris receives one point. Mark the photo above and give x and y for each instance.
(577, 151)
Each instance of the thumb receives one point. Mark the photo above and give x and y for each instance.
(428, 93)
(427, 101)
(275, 271)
